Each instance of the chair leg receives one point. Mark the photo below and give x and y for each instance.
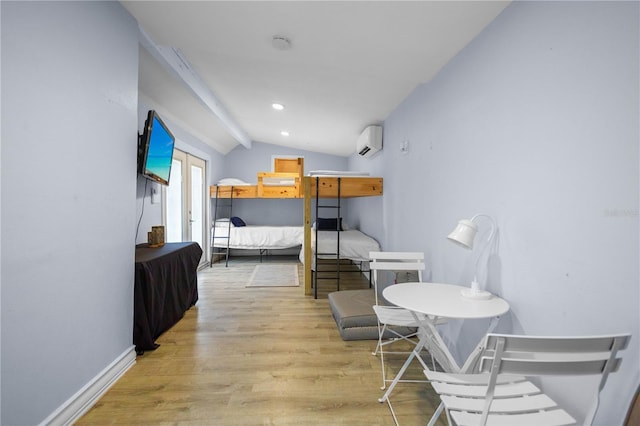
(436, 415)
(415, 353)
(379, 349)
(380, 334)
(393, 413)
(384, 376)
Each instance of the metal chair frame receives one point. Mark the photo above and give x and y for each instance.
(393, 315)
(499, 393)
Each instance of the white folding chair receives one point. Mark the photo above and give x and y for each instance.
(394, 323)
(500, 394)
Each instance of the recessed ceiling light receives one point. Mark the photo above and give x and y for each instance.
(281, 42)
(284, 133)
(277, 106)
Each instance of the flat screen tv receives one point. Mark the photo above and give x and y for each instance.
(155, 150)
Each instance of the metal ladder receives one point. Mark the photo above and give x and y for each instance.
(219, 210)
(316, 276)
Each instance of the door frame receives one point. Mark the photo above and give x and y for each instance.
(187, 160)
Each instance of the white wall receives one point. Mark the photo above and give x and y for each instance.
(537, 124)
(69, 121)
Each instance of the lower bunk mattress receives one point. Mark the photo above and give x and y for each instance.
(354, 245)
(252, 237)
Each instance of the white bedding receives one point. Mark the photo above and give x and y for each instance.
(232, 182)
(258, 237)
(337, 173)
(276, 181)
(354, 245)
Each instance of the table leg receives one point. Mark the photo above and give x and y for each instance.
(436, 345)
(431, 339)
(472, 359)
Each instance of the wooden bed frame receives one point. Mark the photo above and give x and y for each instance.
(306, 187)
(288, 169)
(261, 190)
(331, 187)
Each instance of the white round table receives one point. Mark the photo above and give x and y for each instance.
(435, 301)
(443, 300)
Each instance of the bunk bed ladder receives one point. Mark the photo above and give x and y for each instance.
(218, 212)
(337, 252)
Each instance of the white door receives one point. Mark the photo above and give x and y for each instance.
(185, 207)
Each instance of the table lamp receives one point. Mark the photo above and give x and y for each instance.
(463, 235)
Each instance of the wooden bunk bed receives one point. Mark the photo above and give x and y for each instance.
(322, 187)
(288, 181)
(270, 185)
(284, 182)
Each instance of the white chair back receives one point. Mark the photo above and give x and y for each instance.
(538, 356)
(394, 261)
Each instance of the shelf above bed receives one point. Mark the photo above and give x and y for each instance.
(284, 182)
(359, 186)
(279, 185)
(270, 185)
(240, 191)
(291, 187)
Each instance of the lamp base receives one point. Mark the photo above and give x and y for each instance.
(475, 294)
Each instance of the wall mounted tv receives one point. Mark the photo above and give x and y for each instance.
(155, 150)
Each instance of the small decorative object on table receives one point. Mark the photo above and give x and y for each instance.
(156, 236)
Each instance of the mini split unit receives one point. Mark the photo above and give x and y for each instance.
(370, 141)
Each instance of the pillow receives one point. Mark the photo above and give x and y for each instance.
(329, 224)
(345, 226)
(237, 221)
(232, 182)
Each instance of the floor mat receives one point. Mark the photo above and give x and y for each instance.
(274, 275)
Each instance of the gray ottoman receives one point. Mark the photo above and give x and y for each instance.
(353, 312)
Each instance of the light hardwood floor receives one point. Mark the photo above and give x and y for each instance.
(259, 356)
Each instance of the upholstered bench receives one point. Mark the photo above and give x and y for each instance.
(353, 312)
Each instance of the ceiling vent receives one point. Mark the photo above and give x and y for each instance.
(370, 141)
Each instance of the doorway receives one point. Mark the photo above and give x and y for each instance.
(185, 209)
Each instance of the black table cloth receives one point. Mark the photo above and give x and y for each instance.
(166, 286)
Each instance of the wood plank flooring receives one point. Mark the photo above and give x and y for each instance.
(260, 356)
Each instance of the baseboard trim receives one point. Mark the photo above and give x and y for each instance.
(76, 406)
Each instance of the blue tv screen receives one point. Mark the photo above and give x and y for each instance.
(156, 150)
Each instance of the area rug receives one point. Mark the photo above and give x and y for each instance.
(274, 275)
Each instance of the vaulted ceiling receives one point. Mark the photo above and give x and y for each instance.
(336, 66)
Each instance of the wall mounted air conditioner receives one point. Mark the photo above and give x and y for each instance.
(370, 141)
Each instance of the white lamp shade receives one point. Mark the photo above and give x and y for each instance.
(464, 233)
